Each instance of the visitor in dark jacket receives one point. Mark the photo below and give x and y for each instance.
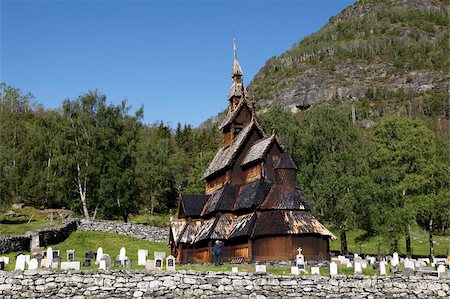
(217, 252)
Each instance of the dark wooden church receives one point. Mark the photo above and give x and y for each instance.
(252, 201)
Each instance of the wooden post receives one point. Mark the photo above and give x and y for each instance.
(210, 251)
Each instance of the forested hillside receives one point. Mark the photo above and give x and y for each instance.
(382, 55)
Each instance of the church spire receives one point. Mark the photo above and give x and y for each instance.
(237, 90)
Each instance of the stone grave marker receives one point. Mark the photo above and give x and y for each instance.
(395, 260)
(158, 263)
(294, 270)
(300, 260)
(358, 268)
(440, 269)
(117, 262)
(55, 262)
(102, 265)
(4, 259)
(38, 256)
(407, 272)
(107, 259)
(56, 253)
(234, 269)
(170, 263)
(99, 254)
(33, 264)
(44, 262)
(382, 268)
(70, 265)
(333, 269)
(142, 256)
(70, 255)
(27, 258)
(150, 265)
(49, 257)
(123, 256)
(409, 264)
(91, 255)
(87, 263)
(128, 263)
(20, 262)
(260, 268)
(349, 265)
(2, 266)
(315, 271)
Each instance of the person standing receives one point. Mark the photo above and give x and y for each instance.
(217, 252)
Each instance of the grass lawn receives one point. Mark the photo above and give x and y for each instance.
(10, 226)
(373, 246)
(83, 242)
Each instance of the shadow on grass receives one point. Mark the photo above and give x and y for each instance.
(14, 221)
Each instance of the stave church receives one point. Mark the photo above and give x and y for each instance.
(252, 201)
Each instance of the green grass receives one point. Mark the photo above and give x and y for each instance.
(10, 226)
(377, 245)
(83, 242)
(158, 220)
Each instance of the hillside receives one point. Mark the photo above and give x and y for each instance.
(383, 54)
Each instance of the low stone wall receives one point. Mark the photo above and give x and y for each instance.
(140, 231)
(47, 237)
(15, 243)
(192, 284)
(57, 234)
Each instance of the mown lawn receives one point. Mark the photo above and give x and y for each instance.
(377, 245)
(83, 242)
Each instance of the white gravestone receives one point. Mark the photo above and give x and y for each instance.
(409, 264)
(102, 265)
(382, 268)
(300, 260)
(333, 269)
(158, 263)
(55, 264)
(170, 263)
(142, 256)
(27, 258)
(20, 262)
(150, 265)
(70, 265)
(358, 268)
(48, 263)
(260, 268)
(294, 270)
(234, 269)
(123, 256)
(99, 255)
(364, 264)
(33, 264)
(4, 259)
(349, 265)
(315, 270)
(440, 269)
(395, 260)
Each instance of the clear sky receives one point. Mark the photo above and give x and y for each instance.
(172, 57)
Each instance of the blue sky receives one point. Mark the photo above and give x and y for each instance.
(172, 57)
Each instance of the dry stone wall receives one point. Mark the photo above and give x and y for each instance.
(192, 284)
(46, 237)
(140, 231)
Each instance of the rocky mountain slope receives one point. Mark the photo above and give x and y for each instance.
(377, 53)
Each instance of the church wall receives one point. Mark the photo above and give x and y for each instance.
(216, 183)
(252, 174)
(285, 248)
(237, 174)
(244, 117)
(272, 157)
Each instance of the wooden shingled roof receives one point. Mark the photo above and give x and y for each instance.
(259, 150)
(225, 155)
(285, 197)
(192, 205)
(288, 223)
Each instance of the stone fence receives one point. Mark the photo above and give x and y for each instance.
(192, 284)
(140, 231)
(41, 238)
